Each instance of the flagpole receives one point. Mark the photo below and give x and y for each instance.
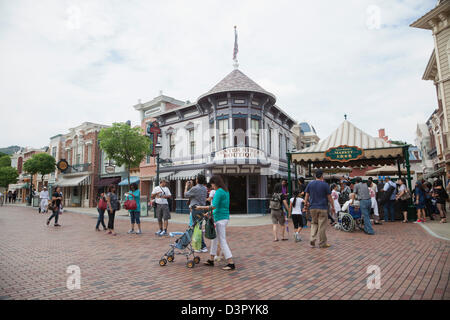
(235, 50)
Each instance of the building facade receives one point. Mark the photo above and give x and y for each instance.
(234, 130)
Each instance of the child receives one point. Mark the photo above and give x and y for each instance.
(335, 197)
(296, 209)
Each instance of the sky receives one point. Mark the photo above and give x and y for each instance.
(64, 62)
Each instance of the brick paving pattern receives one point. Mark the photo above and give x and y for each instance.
(34, 258)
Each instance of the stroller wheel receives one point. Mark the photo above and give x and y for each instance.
(196, 260)
(162, 262)
(170, 258)
(190, 264)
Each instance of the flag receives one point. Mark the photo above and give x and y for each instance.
(235, 50)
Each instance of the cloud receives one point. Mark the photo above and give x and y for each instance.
(66, 62)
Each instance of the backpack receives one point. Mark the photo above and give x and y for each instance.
(275, 202)
(388, 193)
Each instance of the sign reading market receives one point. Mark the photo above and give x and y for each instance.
(344, 153)
(238, 153)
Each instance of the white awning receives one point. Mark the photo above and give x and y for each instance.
(273, 173)
(72, 181)
(187, 174)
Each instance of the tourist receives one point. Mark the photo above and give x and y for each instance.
(301, 185)
(9, 196)
(419, 194)
(296, 209)
(101, 212)
(221, 214)
(389, 192)
(335, 196)
(43, 195)
(14, 195)
(161, 193)
(135, 215)
(56, 202)
(197, 197)
(441, 197)
(373, 190)
(362, 193)
(276, 204)
(429, 207)
(402, 198)
(112, 206)
(317, 197)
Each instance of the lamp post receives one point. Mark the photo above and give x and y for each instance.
(158, 148)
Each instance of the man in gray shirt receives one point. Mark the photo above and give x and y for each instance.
(197, 197)
(361, 191)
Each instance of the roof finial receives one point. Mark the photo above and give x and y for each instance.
(235, 50)
(345, 117)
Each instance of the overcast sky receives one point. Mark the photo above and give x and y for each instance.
(66, 62)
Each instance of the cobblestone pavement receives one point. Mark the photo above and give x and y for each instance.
(34, 259)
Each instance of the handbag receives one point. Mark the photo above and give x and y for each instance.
(197, 238)
(102, 204)
(406, 195)
(210, 229)
(130, 204)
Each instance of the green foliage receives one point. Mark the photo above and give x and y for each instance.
(125, 145)
(41, 163)
(5, 161)
(399, 143)
(8, 175)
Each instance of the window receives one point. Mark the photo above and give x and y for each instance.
(255, 133)
(269, 142)
(280, 144)
(89, 153)
(223, 134)
(287, 144)
(172, 145)
(239, 101)
(240, 129)
(191, 142)
(54, 152)
(147, 160)
(222, 102)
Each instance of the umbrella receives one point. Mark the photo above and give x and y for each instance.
(386, 171)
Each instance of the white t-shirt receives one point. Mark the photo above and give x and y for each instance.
(212, 193)
(297, 209)
(164, 192)
(43, 195)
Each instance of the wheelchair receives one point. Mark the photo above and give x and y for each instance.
(348, 221)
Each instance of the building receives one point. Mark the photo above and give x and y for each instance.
(306, 135)
(423, 143)
(438, 70)
(235, 130)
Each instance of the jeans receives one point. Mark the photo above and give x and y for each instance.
(389, 210)
(365, 206)
(191, 223)
(135, 216)
(101, 218)
(54, 214)
(111, 215)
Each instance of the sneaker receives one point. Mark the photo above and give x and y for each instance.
(131, 231)
(48, 222)
(312, 244)
(198, 251)
(204, 250)
(217, 259)
(325, 246)
(139, 232)
(158, 233)
(57, 225)
(418, 220)
(299, 238)
(163, 233)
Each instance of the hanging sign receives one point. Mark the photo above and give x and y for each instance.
(344, 153)
(62, 165)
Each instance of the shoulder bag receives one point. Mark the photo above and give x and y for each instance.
(130, 204)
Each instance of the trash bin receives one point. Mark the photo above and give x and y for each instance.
(412, 212)
(35, 201)
(144, 206)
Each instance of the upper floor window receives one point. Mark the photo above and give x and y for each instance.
(269, 142)
(240, 129)
(223, 133)
(54, 152)
(191, 142)
(172, 145)
(255, 133)
(280, 145)
(89, 153)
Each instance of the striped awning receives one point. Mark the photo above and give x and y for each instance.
(133, 179)
(187, 174)
(72, 181)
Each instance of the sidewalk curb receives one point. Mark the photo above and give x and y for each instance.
(431, 232)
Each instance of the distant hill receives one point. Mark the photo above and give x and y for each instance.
(10, 150)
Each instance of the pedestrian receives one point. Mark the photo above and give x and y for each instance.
(161, 193)
(373, 190)
(276, 204)
(135, 215)
(317, 198)
(43, 195)
(101, 207)
(9, 196)
(112, 206)
(301, 185)
(419, 194)
(389, 193)
(221, 213)
(56, 202)
(296, 209)
(361, 193)
(335, 196)
(429, 208)
(197, 197)
(14, 195)
(402, 197)
(441, 197)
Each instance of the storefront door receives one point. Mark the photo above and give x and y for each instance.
(237, 186)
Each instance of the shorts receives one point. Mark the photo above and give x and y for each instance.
(278, 217)
(297, 219)
(162, 212)
(135, 217)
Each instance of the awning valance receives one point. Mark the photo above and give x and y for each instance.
(187, 174)
(133, 179)
(108, 181)
(435, 174)
(386, 171)
(72, 181)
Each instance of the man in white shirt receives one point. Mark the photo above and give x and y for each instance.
(161, 193)
(43, 195)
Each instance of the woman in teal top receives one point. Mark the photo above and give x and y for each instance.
(135, 215)
(221, 214)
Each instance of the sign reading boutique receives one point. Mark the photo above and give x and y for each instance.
(239, 153)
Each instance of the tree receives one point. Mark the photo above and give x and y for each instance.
(399, 143)
(125, 145)
(8, 175)
(41, 163)
(5, 161)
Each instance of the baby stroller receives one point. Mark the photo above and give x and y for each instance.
(347, 221)
(182, 246)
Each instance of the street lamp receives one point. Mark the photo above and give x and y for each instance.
(158, 148)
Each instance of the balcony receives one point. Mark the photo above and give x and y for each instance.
(432, 153)
(78, 168)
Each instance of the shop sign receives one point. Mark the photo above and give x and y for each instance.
(344, 153)
(62, 165)
(239, 152)
(110, 169)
